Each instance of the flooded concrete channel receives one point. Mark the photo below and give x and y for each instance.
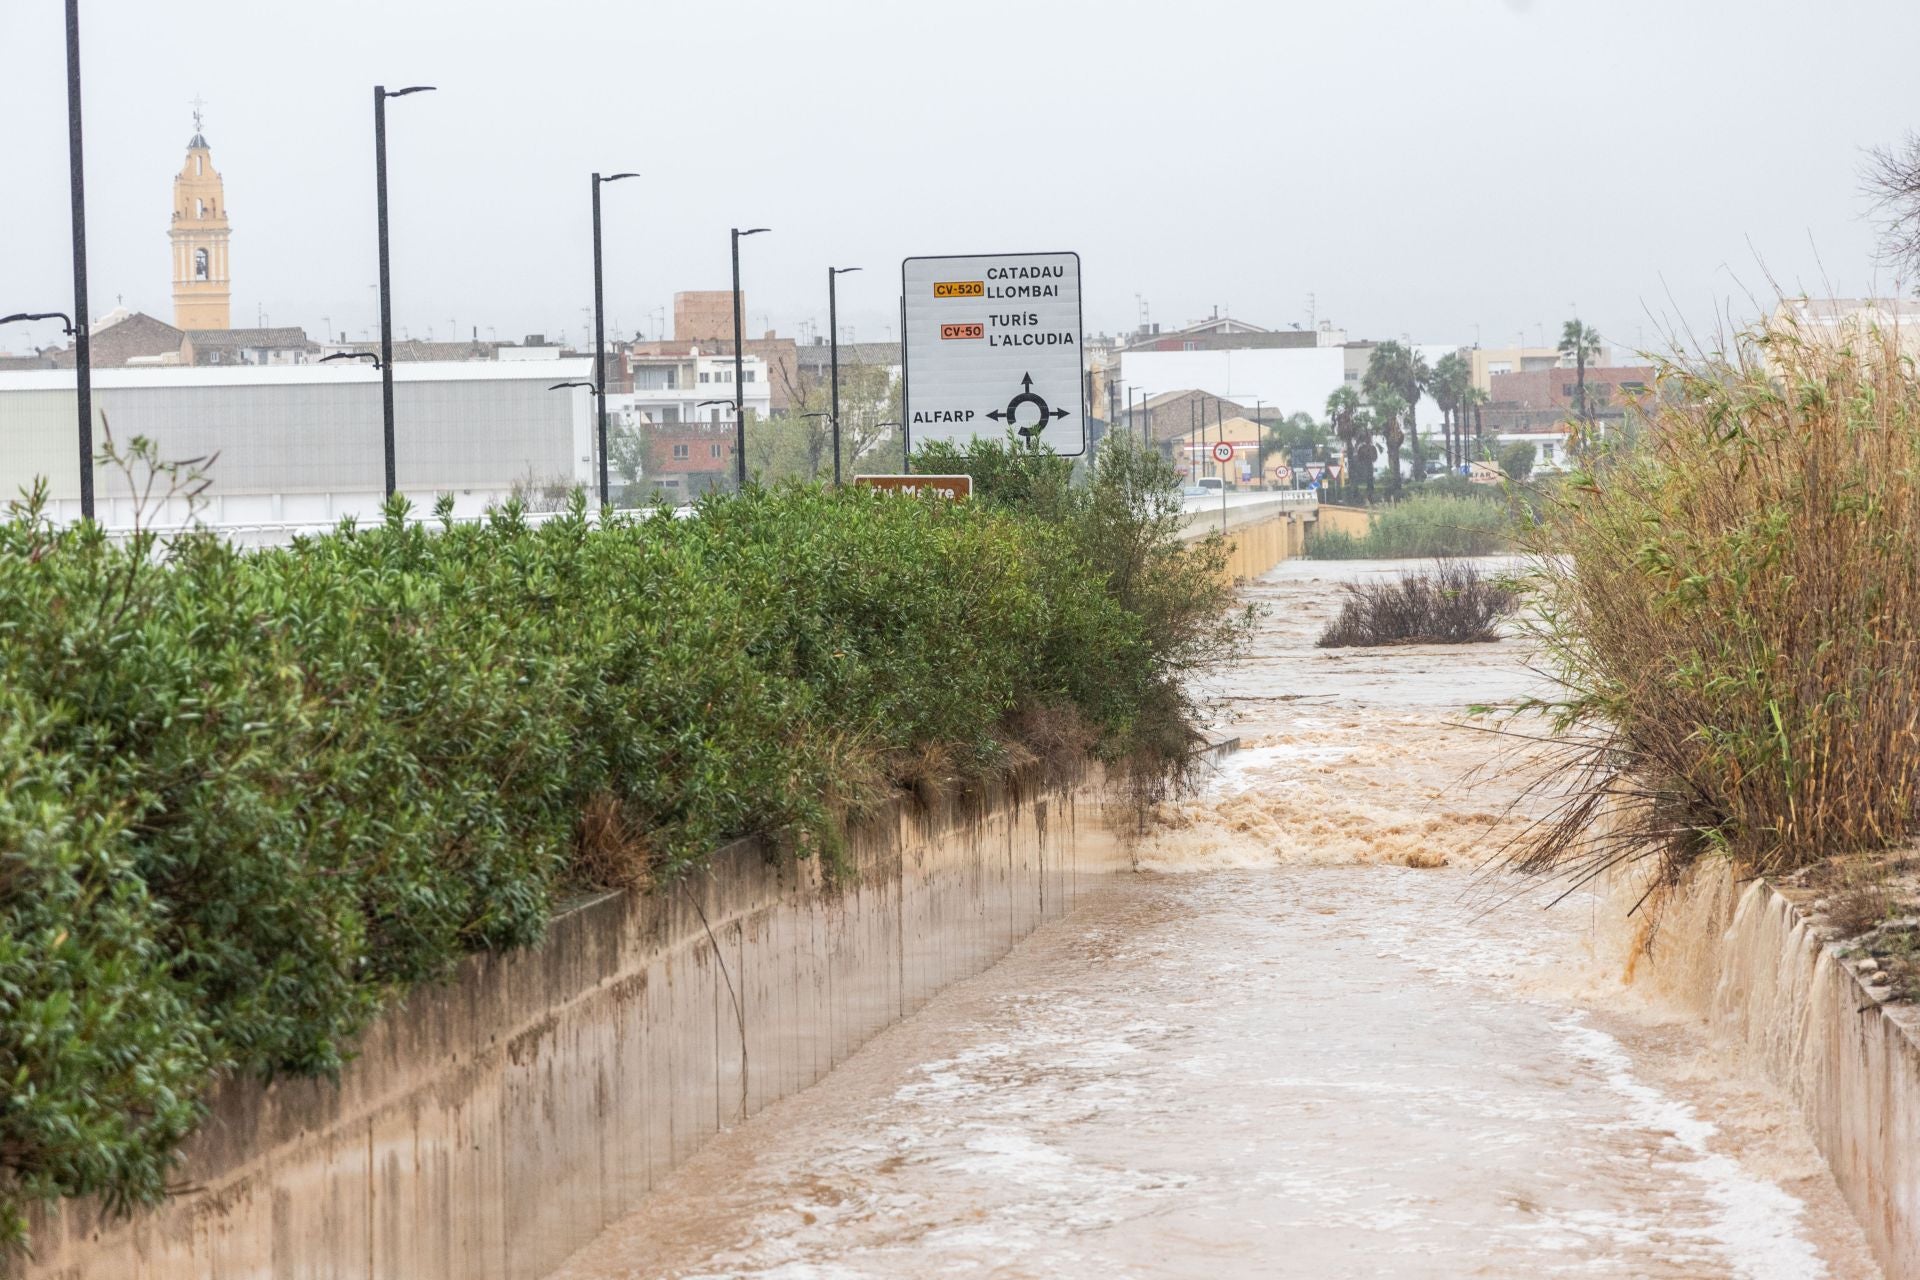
(1309, 1038)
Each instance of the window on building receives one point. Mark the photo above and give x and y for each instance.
(750, 375)
(1353, 375)
(680, 453)
(713, 451)
(1189, 346)
(197, 169)
(199, 264)
(705, 376)
(1566, 389)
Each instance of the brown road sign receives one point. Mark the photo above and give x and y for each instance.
(952, 488)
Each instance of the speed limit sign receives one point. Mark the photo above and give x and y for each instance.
(1223, 452)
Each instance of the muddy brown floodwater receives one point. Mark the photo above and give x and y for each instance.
(1306, 1040)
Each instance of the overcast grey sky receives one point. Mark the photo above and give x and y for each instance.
(1446, 169)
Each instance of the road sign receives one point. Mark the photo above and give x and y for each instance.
(1283, 473)
(1223, 452)
(994, 345)
(952, 488)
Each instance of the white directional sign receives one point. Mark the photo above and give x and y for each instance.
(994, 345)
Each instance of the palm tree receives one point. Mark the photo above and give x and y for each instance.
(1582, 343)
(1451, 378)
(1364, 453)
(1405, 371)
(1345, 412)
(1390, 409)
(1470, 401)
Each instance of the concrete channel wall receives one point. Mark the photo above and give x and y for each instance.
(498, 1122)
(1752, 962)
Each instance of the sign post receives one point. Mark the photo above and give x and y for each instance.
(1223, 454)
(993, 346)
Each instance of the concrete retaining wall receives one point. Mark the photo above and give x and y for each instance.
(1755, 966)
(497, 1123)
(1259, 534)
(1353, 521)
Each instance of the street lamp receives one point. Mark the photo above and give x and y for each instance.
(27, 317)
(353, 355)
(739, 362)
(380, 95)
(833, 342)
(600, 334)
(82, 341)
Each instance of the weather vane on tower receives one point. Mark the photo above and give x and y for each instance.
(197, 104)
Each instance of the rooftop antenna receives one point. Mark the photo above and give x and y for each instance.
(1313, 314)
(1141, 302)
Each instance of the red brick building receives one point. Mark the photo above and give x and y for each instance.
(1544, 398)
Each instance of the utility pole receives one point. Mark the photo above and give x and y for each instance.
(1259, 446)
(82, 340)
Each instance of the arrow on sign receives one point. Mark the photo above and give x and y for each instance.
(1027, 396)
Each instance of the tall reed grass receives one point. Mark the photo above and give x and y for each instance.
(1733, 612)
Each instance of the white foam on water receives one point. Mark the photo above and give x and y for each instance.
(1758, 1223)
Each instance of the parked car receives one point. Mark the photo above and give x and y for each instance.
(1211, 484)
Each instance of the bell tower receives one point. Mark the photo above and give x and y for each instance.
(202, 289)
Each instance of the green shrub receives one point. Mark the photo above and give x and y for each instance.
(1427, 526)
(1517, 461)
(251, 796)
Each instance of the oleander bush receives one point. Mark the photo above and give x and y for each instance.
(1733, 612)
(247, 798)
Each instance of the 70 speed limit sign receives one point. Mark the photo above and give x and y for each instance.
(1223, 452)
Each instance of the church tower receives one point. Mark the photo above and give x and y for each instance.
(202, 289)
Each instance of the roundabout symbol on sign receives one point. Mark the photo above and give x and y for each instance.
(1027, 396)
(1223, 452)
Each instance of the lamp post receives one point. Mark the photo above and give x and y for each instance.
(82, 342)
(739, 362)
(353, 355)
(905, 459)
(833, 343)
(380, 95)
(600, 335)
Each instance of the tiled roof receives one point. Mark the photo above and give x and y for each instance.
(279, 338)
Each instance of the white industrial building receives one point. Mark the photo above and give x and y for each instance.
(301, 445)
